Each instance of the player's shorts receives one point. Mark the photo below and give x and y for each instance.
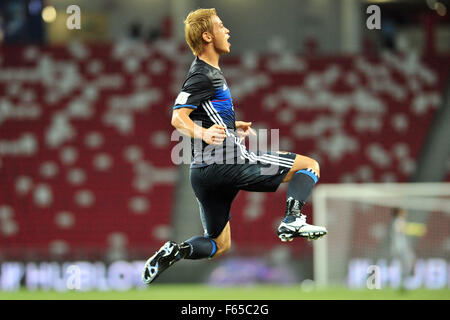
(216, 186)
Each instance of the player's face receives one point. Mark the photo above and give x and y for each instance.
(221, 36)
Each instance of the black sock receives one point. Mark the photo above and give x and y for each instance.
(197, 247)
(300, 188)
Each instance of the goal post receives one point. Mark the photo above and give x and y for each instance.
(391, 230)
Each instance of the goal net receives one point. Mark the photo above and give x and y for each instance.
(383, 235)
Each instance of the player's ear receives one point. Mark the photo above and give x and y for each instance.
(207, 37)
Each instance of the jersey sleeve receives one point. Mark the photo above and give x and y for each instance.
(196, 89)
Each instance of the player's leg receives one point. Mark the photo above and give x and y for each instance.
(215, 204)
(201, 247)
(197, 247)
(301, 179)
(301, 173)
(302, 163)
(215, 196)
(215, 215)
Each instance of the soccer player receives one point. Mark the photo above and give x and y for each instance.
(204, 111)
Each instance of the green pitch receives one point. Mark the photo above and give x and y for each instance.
(203, 292)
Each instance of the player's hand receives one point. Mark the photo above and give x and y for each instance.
(243, 129)
(214, 135)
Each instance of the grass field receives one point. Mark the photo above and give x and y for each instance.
(202, 292)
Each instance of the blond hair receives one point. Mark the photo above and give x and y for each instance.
(196, 23)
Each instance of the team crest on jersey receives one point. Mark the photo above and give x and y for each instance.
(182, 98)
(225, 87)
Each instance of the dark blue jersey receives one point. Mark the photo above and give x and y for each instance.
(206, 91)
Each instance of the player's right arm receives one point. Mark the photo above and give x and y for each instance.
(196, 89)
(184, 124)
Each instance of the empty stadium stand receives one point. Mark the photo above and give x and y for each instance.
(85, 138)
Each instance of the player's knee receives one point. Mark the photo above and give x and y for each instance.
(315, 166)
(309, 163)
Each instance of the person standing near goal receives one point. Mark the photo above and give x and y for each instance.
(204, 111)
(400, 247)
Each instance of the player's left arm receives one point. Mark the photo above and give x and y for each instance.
(244, 129)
